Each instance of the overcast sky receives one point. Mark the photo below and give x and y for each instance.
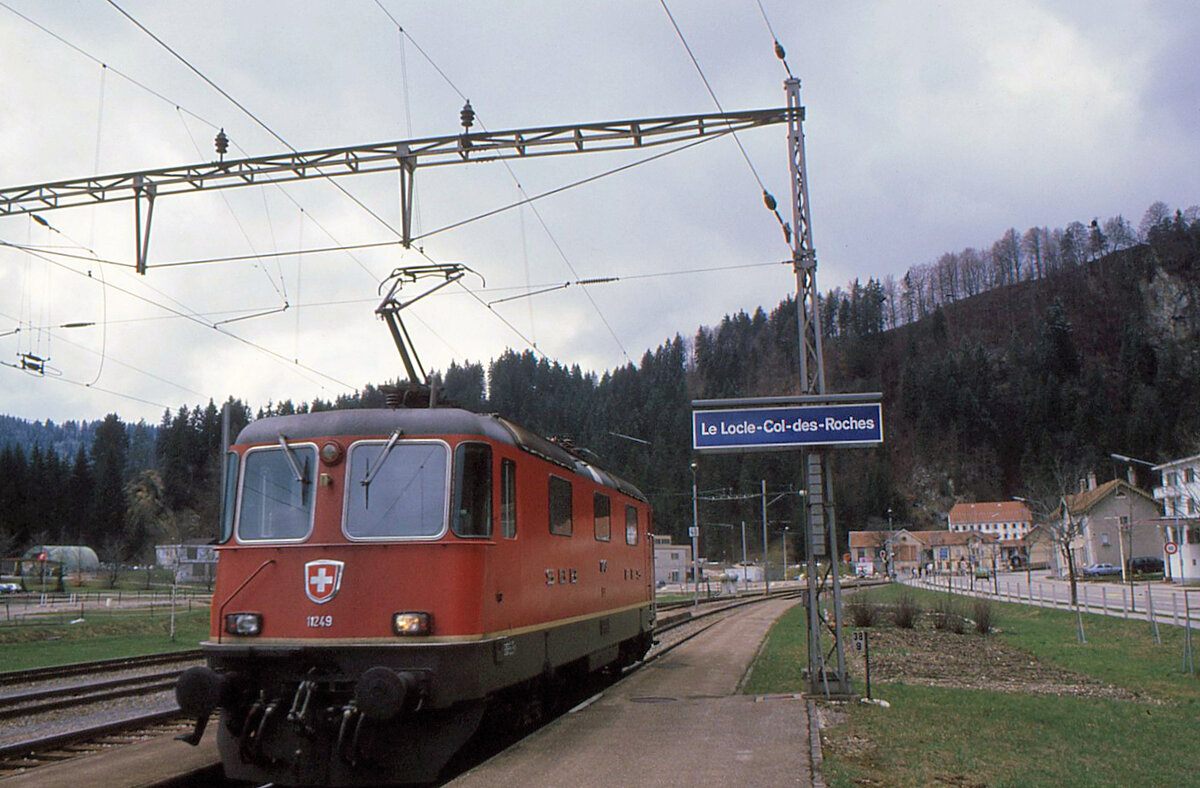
(931, 126)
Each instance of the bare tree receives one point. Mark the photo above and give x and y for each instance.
(1156, 214)
(1064, 527)
(1032, 244)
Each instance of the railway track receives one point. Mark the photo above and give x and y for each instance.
(10, 677)
(53, 714)
(24, 756)
(678, 623)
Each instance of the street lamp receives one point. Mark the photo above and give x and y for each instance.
(785, 563)
(889, 545)
(1125, 573)
(695, 533)
(1028, 548)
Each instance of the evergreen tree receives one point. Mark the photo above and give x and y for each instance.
(109, 451)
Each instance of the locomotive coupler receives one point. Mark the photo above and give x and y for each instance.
(193, 738)
(348, 732)
(298, 715)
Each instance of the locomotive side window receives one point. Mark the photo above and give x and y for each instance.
(396, 490)
(229, 495)
(508, 498)
(473, 489)
(602, 507)
(276, 505)
(560, 507)
(631, 525)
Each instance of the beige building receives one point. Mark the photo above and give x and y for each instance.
(1117, 522)
(672, 562)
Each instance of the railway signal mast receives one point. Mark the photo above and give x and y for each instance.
(826, 665)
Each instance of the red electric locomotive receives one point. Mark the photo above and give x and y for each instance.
(386, 575)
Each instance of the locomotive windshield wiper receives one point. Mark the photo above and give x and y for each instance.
(291, 458)
(373, 470)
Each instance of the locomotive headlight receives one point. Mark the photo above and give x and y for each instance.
(331, 452)
(411, 624)
(243, 623)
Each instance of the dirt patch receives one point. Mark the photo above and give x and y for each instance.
(934, 658)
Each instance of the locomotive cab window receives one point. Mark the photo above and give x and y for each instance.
(602, 507)
(473, 490)
(396, 490)
(277, 493)
(508, 498)
(631, 525)
(229, 496)
(560, 507)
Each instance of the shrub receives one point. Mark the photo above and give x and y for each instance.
(862, 614)
(982, 610)
(906, 612)
(947, 618)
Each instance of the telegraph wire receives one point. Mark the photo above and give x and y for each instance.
(767, 198)
(200, 321)
(92, 234)
(343, 302)
(104, 65)
(250, 115)
(568, 186)
(123, 364)
(180, 108)
(779, 52)
(237, 221)
(506, 322)
(527, 200)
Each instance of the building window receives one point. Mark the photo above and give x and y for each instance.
(1191, 506)
(1104, 540)
(1189, 475)
(1172, 479)
(631, 525)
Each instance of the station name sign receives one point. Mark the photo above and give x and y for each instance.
(764, 429)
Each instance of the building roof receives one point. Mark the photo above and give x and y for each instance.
(947, 538)
(877, 538)
(990, 512)
(1082, 503)
(1180, 463)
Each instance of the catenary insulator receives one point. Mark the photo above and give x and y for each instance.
(222, 142)
(467, 115)
(768, 200)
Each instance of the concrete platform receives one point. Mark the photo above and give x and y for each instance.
(676, 723)
(138, 765)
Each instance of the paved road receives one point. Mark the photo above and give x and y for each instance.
(1170, 603)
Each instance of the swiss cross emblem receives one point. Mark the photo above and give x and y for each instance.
(322, 579)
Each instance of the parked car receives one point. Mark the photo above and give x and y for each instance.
(9, 588)
(1145, 565)
(1100, 570)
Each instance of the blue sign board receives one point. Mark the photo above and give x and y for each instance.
(766, 429)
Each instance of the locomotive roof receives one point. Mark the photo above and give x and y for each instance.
(425, 422)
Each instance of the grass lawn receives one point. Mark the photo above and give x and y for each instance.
(934, 735)
(101, 636)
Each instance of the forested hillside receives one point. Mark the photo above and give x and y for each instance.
(998, 369)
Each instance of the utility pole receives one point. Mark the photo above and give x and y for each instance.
(826, 665)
